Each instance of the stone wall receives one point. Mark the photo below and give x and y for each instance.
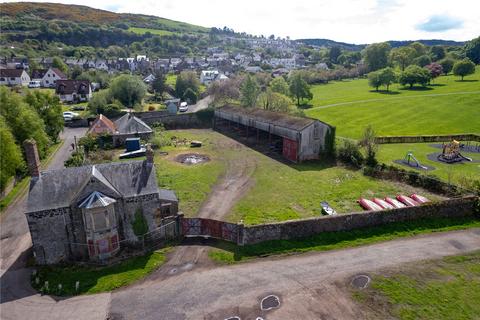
(422, 139)
(303, 228)
(177, 121)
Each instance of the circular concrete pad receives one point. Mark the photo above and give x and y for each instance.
(192, 158)
(270, 302)
(361, 281)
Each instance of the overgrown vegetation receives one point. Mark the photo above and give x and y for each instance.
(139, 224)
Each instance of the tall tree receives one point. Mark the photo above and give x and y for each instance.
(376, 55)
(279, 85)
(58, 63)
(334, 53)
(159, 83)
(274, 101)
(447, 65)
(437, 53)
(420, 48)
(414, 74)
(374, 79)
(422, 61)
(10, 156)
(249, 91)
(49, 109)
(472, 50)
(299, 88)
(128, 89)
(402, 56)
(463, 68)
(186, 80)
(387, 76)
(435, 69)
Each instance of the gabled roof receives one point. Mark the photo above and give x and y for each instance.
(11, 73)
(60, 188)
(72, 86)
(275, 118)
(96, 200)
(59, 73)
(106, 122)
(38, 73)
(129, 124)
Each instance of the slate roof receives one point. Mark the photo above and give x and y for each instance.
(11, 73)
(59, 73)
(38, 73)
(96, 200)
(129, 124)
(168, 195)
(72, 86)
(59, 188)
(279, 119)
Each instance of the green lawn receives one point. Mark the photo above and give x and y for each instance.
(450, 106)
(97, 279)
(171, 80)
(152, 31)
(442, 289)
(228, 253)
(454, 173)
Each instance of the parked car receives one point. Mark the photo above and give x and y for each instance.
(69, 115)
(183, 107)
(34, 84)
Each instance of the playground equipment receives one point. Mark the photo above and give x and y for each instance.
(451, 153)
(412, 161)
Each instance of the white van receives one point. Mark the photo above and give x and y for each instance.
(34, 84)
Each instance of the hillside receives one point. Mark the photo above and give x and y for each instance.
(357, 47)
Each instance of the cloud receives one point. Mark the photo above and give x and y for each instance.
(112, 7)
(440, 23)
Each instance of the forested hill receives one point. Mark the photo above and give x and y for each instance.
(394, 44)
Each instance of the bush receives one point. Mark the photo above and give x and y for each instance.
(151, 108)
(349, 153)
(139, 225)
(77, 159)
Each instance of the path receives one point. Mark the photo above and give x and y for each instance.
(392, 98)
(200, 105)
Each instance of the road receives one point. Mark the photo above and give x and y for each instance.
(310, 286)
(201, 104)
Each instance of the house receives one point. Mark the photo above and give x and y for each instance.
(297, 138)
(209, 76)
(149, 79)
(14, 77)
(128, 126)
(87, 213)
(51, 77)
(38, 74)
(73, 90)
(101, 65)
(253, 69)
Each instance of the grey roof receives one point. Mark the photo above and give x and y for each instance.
(59, 188)
(279, 119)
(129, 124)
(96, 200)
(168, 195)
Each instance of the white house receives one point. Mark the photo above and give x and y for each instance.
(101, 65)
(74, 90)
(149, 79)
(209, 76)
(51, 77)
(14, 77)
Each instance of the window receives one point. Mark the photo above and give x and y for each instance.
(13, 79)
(2, 79)
(316, 132)
(98, 219)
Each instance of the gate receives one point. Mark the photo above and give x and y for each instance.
(195, 227)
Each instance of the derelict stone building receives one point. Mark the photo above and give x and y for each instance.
(299, 138)
(87, 213)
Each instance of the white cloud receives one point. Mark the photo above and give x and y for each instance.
(356, 21)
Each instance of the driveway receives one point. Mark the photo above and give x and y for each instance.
(200, 105)
(309, 286)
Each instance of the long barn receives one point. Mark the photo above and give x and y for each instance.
(297, 138)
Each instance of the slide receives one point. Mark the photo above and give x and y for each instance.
(418, 162)
(465, 158)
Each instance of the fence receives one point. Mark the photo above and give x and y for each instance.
(427, 138)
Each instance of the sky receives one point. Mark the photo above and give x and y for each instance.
(352, 21)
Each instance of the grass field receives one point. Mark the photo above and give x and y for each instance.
(152, 31)
(171, 80)
(97, 279)
(449, 106)
(437, 290)
(228, 253)
(455, 173)
(280, 192)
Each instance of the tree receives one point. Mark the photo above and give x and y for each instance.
(374, 79)
(420, 48)
(368, 143)
(435, 69)
(190, 96)
(76, 71)
(299, 88)
(225, 91)
(274, 101)
(129, 90)
(472, 50)
(387, 76)
(463, 68)
(158, 84)
(185, 80)
(447, 65)
(437, 53)
(249, 91)
(10, 156)
(376, 55)
(403, 56)
(334, 53)
(279, 85)
(23, 120)
(414, 74)
(49, 109)
(58, 63)
(422, 61)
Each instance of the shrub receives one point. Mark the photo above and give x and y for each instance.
(349, 153)
(139, 225)
(77, 159)
(151, 108)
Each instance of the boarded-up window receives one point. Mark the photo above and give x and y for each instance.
(100, 220)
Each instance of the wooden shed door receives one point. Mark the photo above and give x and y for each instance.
(290, 149)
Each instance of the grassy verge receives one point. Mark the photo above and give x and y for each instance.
(228, 253)
(21, 187)
(97, 279)
(441, 289)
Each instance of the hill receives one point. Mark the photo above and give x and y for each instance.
(357, 47)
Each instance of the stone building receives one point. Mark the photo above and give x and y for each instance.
(87, 213)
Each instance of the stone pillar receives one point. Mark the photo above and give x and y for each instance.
(149, 154)
(31, 154)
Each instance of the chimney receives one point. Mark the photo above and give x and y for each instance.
(149, 153)
(33, 161)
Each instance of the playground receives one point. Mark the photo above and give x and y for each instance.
(455, 161)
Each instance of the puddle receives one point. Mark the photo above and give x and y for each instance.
(173, 271)
(192, 158)
(361, 281)
(456, 244)
(270, 302)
